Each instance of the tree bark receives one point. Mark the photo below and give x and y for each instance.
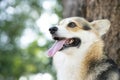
(74, 8)
(99, 9)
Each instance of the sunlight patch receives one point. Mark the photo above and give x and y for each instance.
(38, 76)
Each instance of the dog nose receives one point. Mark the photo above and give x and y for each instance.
(53, 30)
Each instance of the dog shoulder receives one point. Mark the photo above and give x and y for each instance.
(105, 69)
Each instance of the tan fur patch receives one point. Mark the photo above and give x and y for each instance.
(95, 53)
(75, 29)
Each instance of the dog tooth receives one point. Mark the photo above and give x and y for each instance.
(71, 41)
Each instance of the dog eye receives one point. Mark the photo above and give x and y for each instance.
(72, 25)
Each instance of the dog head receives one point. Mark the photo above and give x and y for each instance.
(75, 31)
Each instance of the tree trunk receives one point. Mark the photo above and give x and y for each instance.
(74, 8)
(99, 9)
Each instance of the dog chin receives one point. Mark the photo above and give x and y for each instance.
(69, 50)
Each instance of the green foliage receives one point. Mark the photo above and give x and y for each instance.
(14, 60)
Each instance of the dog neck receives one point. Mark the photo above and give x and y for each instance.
(75, 64)
(94, 54)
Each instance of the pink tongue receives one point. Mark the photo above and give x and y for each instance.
(56, 47)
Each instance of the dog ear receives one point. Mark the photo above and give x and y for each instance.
(102, 26)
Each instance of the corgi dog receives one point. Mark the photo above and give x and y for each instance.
(78, 50)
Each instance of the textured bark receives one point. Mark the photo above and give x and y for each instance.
(99, 9)
(74, 8)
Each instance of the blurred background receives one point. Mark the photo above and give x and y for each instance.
(25, 39)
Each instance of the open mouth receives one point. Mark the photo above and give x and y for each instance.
(63, 43)
(70, 42)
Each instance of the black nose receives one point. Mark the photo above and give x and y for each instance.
(53, 30)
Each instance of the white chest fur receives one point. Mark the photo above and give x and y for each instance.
(67, 69)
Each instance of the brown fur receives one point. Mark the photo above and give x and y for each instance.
(95, 53)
